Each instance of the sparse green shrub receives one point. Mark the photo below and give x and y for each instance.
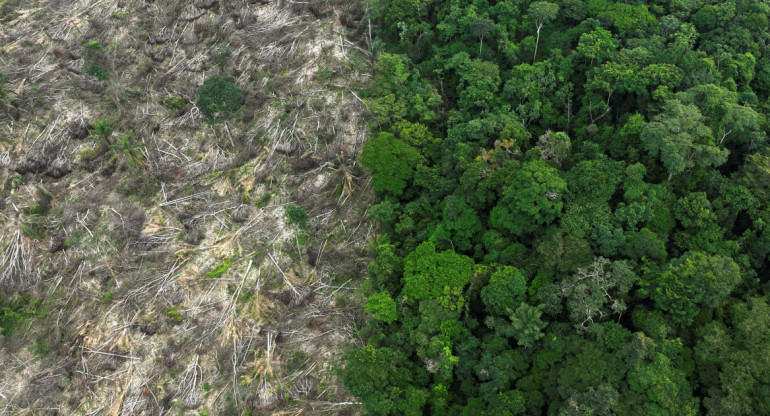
(174, 315)
(93, 60)
(128, 152)
(103, 128)
(96, 71)
(219, 98)
(34, 227)
(40, 349)
(15, 313)
(220, 270)
(88, 154)
(263, 200)
(222, 55)
(296, 215)
(74, 239)
(175, 102)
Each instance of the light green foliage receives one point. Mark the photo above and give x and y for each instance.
(174, 102)
(174, 314)
(391, 161)
(691, 282)
(656, 374)
(625, 16)
(220, 269)
(681, 140)
(479, 82)
(219, 97)
(432, 275)
(597, 45)
(382, 306)
(543, 11)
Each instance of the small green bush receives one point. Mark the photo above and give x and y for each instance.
(296, 215)
(14, 314)
(93, 60)
(174, 315)
(96, 71)
(175, 102)
(219, 98)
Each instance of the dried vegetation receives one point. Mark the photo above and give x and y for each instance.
(176, 284)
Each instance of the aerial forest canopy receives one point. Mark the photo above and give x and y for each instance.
(573, 205)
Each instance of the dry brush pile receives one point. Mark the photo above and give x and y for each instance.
(153, 263)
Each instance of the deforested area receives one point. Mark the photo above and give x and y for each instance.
(183, 219)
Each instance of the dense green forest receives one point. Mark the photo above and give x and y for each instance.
(573, 205)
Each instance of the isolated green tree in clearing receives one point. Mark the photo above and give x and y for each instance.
(219, 98)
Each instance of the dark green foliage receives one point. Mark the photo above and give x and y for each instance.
(219, 97)
(505, 291)
(534, 198)
(525, 325)
(574, 199)
(103, 128)
(14, 313)
(296, 216)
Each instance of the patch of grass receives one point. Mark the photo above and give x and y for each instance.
(75, 238)
(88, 154)
(324, 75)
(296, 362)
(40, 349)
(220, 270)
(34, 227)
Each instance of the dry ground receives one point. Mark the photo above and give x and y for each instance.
(176, 285)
